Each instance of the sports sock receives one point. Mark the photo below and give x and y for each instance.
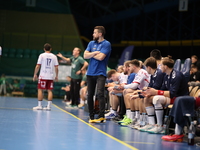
(159, 115)
(178, 129)
(128, 113)
(39, 103)
(49, 103)
(151, 114)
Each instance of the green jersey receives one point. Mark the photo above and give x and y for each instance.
(76, 65)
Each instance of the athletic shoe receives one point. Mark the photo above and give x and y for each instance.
(117, 118)
(47, 108)
(37, 108)
(81, 105)
(158, 129)
(127, 122)
(69, 103)
(146, 127)
(72, 106)
(99, 120)
(108, 117)
(75, 106)
(125, 117)
(136, 125)
(173, 138)
(108, 113)
(91, 120)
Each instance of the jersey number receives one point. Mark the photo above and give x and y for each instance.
(48, 61)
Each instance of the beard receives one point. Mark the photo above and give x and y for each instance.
(96, 39)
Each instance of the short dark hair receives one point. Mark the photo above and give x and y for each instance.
(78, 49)
(101, 29)
(151, 62)
(47, 47)
(156, 54)
(168, 62)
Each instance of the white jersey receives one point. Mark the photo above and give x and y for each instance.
(48, 61)
(123, 78)
(141, 80)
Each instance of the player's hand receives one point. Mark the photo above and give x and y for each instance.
(134, 96)
(78, 72)
(34, 77)
(56, 79)
(60, 55)
(120, 87)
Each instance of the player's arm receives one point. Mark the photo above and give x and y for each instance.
(56, 71)
(64, 58)
(100, 56)
(152, 91)
(37, 67)
(88, 55)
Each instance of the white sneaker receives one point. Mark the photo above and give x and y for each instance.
(146, 127)
(107, 114)
(37, 108)
(69, 103)
(158, 129)
(47, 108)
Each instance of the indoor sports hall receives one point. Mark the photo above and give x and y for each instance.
(133, 27)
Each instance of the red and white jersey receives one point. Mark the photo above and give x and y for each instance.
(123, 78)
(48, 61)
(141, 80)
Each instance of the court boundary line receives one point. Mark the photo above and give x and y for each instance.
(110, 136)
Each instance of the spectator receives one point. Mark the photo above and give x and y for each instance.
(194, 74)
(47, 61)
(16, 85)
(3, 84)
(78, 64)
(194, 59)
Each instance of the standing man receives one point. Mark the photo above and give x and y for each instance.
(98, 51)
(78, 64)
(47, 62)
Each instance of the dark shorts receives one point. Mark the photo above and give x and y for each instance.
(45, 84)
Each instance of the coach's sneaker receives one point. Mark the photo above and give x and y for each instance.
(158, 129)
(99, 120)
(47, 108)
(173, 138)
(37, 108)
(110, 116)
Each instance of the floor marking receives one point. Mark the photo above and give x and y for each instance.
(131, 147)
(138, 142)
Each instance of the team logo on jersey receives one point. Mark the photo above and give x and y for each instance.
(99, 47)
(173, 74)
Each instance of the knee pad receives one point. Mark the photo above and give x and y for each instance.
(158, 101)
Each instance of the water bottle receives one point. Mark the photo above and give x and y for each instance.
(191, 133)
(166, 124)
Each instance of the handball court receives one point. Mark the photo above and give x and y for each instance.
(21, 128)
